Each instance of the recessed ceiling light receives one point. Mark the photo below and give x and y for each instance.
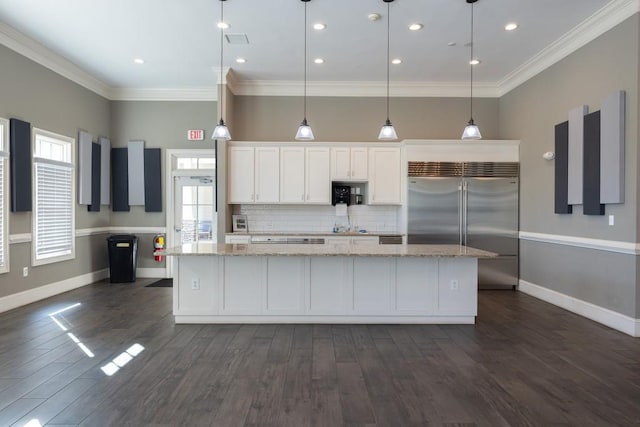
(416, 27)
(374, 16)
(139, 61)
(241, 60)
(318, 61)
(396, 61)
(474, 62)
(319, 26)
(223, 25)
(511, 26)
(451, 44)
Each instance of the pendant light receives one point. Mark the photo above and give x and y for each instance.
(388, 132)
(304, 130)
(471, 131)
(221, 131)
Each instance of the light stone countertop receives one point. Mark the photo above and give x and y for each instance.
(314, 233)
(348, 250)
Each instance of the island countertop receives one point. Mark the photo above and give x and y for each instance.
(348, 250)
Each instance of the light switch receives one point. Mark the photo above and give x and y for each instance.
(611, 220)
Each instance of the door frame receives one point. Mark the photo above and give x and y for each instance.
(171, 167)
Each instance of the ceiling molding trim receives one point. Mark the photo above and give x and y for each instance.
(36, 52)
(587, 31)
(363, 89)
(164, 94)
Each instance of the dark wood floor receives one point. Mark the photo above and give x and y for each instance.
(524, 363)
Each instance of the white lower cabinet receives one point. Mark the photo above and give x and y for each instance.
(285, 285)
(325, 289)
(327, 278)
(242, 285)
(197, 293)
(373, 280)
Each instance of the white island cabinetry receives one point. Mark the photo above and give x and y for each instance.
(325, 283)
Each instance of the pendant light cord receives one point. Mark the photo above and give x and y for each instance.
(388, 52)
(222, 89)
(471, 67)
(305, 61)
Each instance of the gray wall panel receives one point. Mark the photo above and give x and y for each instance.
(105, 170)
(612, 148)
(135, 167)
(85, 165)
(607, 283)
(576, 154)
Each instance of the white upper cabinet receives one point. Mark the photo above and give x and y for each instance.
(292, 188)
(267, 175)
(349, 163)
(304, 175)
(254, 174)
(241, 175)
(384, 176)
(317, 176)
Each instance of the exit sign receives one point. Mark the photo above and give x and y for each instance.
(195, 134)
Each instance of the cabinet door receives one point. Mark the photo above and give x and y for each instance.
(340, 163)
(240, 174)
(384, 176)
(317, 176)
(359, 163)
(292, 188)
(267, 174)
(364, 240)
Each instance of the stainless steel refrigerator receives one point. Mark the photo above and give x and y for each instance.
(468, 203)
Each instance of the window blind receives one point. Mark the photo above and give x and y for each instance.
(53, 209)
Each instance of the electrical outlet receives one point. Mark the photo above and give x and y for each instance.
(25, 271)
(195, 284)
(611, 220)
(455, 285)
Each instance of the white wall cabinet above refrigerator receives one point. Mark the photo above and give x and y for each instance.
(385, 176)
(254, 174)
(349, 163)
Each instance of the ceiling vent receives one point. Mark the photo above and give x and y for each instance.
(237, 38)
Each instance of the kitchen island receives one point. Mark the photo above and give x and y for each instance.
(289, 283)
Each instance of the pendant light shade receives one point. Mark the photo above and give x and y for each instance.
(304, 130)
(221, 131)
(471, 131)
(388, 132)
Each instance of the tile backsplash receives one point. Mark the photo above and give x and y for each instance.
(301, 218)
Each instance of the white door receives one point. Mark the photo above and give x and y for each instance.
(384, 176)
(267, 175)
(292, 175)
(240, 168)
(195, 216)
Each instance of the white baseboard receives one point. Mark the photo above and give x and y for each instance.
(36, 294)
(151, 273)
(612, 319)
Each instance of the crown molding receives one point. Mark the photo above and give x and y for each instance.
(594, 26)
(164, 94)
(362, 89)
(588, 30)
(36, 52)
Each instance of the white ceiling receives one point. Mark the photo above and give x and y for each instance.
(179, 40)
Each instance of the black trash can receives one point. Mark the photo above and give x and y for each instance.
(123, 256)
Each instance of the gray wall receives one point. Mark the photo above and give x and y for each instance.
(270, 118)
(161, 125)
(48, 101)
(529, 113)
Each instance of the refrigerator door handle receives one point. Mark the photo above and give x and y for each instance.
(465, 203)
(460, 212)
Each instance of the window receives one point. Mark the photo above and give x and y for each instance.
(53, 190)
(201, 162)
(4, 200)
